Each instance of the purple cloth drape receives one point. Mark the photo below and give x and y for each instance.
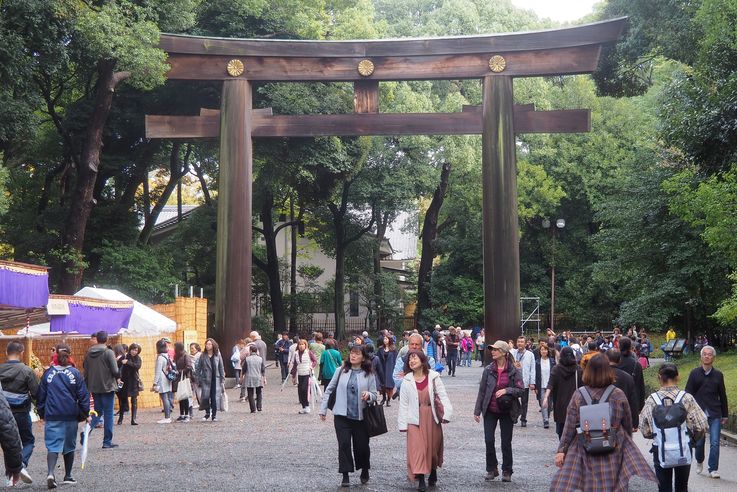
(91, 319)
(23, 290)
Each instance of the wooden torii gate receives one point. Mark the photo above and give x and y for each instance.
(495, 59)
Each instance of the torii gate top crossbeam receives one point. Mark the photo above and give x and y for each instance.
(537, 53)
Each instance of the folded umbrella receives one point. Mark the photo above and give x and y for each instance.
(85, 440)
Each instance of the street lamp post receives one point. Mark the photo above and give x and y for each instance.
(559, 224)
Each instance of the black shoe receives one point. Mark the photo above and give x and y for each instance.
(395, 396)
(120, 418)
(492, 475)
(388, 403)
(421, 484)
(69, 481)
(523, 424)
(364, 476)
(346, 481)
(109, 446)
(133, 422)
(546, 425)
(432, 480)
(51, 482)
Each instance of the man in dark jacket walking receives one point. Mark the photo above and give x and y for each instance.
(626, 383)
(19, 386)
(10, 442)
(629, 364)
(706, 384)
(101, 373)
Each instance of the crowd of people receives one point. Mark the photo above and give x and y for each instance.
(594, 389)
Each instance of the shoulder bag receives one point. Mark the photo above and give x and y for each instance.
(331, 398)
(184, 389)
(375, 419)
(439, 407)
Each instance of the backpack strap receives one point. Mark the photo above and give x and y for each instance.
(586, 395)
(679, 397)
(656, 398)
(607, 393)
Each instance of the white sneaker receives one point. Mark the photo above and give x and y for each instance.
(25, 476)
(307, 410)
(714, 474)
(164, 421)
(699, 467)
(303, 411)
(9, 482)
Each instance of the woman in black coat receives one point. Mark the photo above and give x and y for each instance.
(129, 367)
(565, 378)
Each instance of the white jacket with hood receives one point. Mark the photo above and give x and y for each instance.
(409, 405)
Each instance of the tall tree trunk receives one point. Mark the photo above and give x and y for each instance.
(429, 249)
(293, 270)
(203, 183)
(382, 222)
(272, 263)
(89, 164)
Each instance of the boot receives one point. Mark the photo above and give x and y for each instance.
(433, 478)
(134, 410)
(120, 417)
(421, 483)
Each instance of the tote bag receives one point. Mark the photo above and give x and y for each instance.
(375, 420)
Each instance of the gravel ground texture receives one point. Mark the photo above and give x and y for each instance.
(277, 449)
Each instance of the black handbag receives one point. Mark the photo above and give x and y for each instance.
(331, 398)
(375, 420)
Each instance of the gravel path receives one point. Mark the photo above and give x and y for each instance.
(279, 449)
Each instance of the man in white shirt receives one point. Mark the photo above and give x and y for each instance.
(524, 360)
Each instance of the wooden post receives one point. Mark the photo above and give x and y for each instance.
(233, 278)
(500, 228)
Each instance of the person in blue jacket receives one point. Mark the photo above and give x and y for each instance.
(62, 401)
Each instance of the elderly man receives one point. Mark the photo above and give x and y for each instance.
(415, 343)
(525, 361)
(706, 384)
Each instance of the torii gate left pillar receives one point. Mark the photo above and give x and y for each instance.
(234, 234)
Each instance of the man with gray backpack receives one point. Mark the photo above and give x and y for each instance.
(674, 421)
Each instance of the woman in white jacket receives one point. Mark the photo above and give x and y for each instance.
(162, 384)
(423, 407)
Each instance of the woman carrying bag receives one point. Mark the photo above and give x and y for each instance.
(498, 400)
(182, 387)
(423, 407)
(352, 388)
(597, 452)
(210, 377)
(130, 365)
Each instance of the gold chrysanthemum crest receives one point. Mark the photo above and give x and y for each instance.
(235, 68)
(497, 63)
(365, 68)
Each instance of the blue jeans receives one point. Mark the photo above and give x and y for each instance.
(715, 429)
(166, 399)
(466, 359)
(104, 403)
(25, 429)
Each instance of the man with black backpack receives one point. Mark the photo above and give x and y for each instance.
(629, 364)
(673, 420)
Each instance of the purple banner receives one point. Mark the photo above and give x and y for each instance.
(91, 319)
(23, 290)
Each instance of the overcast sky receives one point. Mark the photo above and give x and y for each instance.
(559, 10)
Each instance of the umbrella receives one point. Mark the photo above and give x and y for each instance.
(87, 429)
(315, 390)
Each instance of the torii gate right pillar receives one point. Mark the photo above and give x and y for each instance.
(500, 234)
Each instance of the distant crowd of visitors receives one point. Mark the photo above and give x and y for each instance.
(594, 388)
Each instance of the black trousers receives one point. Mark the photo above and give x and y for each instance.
(452, 361)
(302, 387)
(525, 403)
(506, 426)
(257, 404)
(284, 370)
(122, 400)
(666, 476)
(347, 430)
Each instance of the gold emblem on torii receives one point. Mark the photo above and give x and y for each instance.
(497, 63)
(235, 68)
(365, 68)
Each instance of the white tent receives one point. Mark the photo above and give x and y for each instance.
(144, 320)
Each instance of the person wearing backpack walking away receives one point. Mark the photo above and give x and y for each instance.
(706, 384)
(565, 378)
(254, 378)
(210, 377)
(672, 419)
(589, 458)
(129, 367)
(101, 377)
(19, 386)
(626, 383)
(525, 362)
(466, 349)
(544, 366)
(628, 363)
(235, 361)
(500, 389)
(423, 407)
(303, 362)
(353, 386)
(63, 401)
(162, 381)
(329, 361)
